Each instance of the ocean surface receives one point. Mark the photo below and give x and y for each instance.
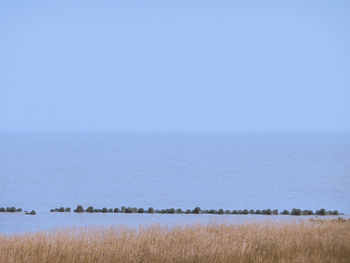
(44, 170)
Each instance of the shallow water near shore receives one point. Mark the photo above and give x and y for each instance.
(21, 223)
(168, 170)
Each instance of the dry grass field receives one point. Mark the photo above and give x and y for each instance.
(318, 241)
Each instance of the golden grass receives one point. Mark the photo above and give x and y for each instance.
(256, 242)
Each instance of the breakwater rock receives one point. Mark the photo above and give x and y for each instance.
(198, 210)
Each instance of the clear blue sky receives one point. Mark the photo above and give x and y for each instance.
(175, 65)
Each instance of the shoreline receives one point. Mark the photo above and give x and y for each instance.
(19, 223)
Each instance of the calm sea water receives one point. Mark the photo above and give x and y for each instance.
(181, 170)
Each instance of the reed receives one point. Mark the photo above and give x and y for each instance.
(310, 241)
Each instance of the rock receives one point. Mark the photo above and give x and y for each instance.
(251, 211)
(123, 209)
(296, 212)
(234, 212)
(110, 210)
(19, 210)
(245, 212)
(10, 209)
(227, 212)
(150, 210)
(116, 210)
(179, 211)
(97, 210)
(275, 212)
(141, 210)
(128, 210)
(30, 213)
(52, 210)
(67, 209)
(61, 209)
(79, 209)
(90, 209)
(307, 212)
(2, 209)
(104, 210)
(197, 210)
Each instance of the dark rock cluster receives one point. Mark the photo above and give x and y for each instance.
(198, 210)
(30, 213)
(61, 209)
(10, 209)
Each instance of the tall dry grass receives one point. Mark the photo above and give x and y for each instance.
(258, 242)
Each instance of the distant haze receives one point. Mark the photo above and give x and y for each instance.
(175, 65)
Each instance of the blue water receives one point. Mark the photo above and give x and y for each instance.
(182, 170)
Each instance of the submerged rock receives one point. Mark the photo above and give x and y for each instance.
(30, 213)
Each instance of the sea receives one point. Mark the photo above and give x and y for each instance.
(212, 170)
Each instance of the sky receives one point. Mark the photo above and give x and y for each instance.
(175, 65)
